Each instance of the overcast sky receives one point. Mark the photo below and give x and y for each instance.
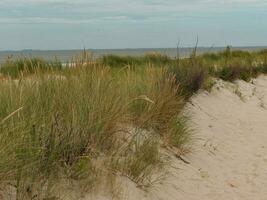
(74, 24)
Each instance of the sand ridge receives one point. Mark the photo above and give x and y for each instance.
(229, 159)
(229, 155)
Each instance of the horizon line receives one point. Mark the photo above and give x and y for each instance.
(138, 48)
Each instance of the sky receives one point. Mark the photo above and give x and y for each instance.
(101, 24)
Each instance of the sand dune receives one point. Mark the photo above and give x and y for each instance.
(229, 159)
(229, 155)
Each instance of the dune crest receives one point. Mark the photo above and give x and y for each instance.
(229, 157)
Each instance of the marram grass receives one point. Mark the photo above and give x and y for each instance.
(74, 124)
(90, 121)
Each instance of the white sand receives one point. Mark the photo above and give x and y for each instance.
(230, 152)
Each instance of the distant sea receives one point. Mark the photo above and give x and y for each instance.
(67, 55)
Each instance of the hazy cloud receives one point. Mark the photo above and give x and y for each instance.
(66, 24)
(85, 11)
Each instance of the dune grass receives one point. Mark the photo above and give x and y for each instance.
(231, 65)
(83, 124)
(25, 65)
(195, 72)
(122, 61)
(94, 120)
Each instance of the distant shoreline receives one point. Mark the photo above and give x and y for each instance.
(141, 48)
(66, 55)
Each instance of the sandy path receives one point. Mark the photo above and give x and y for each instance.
(230, 151)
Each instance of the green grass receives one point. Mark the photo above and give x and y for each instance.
(231, 65)
(73, 124)
(95, 120)
(122, 61)
(194, 72)
(20, 66)
(190, 75)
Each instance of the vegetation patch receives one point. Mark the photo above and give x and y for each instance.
(92, 120)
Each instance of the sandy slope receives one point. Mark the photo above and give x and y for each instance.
(230, 152)
(229, 159)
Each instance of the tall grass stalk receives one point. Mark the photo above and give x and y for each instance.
(74, 125)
